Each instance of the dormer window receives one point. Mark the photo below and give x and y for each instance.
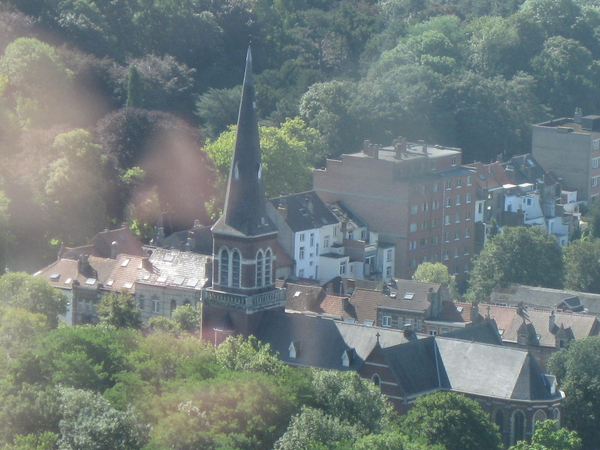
(295, 348)
(347, 357)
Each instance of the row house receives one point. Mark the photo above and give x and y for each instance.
(418, 198)
(328, 240)
(570, 147)
(519, 192)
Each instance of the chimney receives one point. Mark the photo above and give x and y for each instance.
(114, 250)
(578, 116)
(196, 223)
(474, 312)
(400, 147)
(551, 322)
(368, 148)
(146, 264)
(282, 208)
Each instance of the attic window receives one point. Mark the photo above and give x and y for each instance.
(409, 296)
(368, 323)
(110, 282)
(128, 284)
(347, 357)
(192, 282)
(169, 257)
(350, 320)
(178, 280)
(459, 309)
(54, 277)
(297, 294)
(68, 280)
(125, 262)
(161, 279)
(90, 281)
(295, 348)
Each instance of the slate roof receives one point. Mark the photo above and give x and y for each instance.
(198, 239)
(365, 303)
(174, 268)
(344, 214)
(125, 272)
(304, 211)
(245, 212)
(418, 301)
(101, 245)
(322, 341)
(62, 273)
(543, 298)
(469, 367)
(301, 297)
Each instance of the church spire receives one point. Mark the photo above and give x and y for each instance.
(245, 211)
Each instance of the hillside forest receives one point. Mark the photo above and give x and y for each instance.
(121, 110)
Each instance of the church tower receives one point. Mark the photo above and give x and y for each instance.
(244, 237)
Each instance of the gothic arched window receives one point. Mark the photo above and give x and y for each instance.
(224, 268)
(268, 267)
(260, 262)
(236, 268)
(518, 426)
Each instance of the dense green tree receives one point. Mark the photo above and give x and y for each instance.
(89, 422)
(517, 255)
(33, 294)
(549, 436)
(239, 354)
(188, 318)
(582, 266)
(119, 309)
(314, 428)
(135, 87)
(436, 273)
(452, 420)
(217, 109)
(19, 329)
(578, 371)
(43, 441)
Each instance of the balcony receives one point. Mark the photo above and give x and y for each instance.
(249, 303)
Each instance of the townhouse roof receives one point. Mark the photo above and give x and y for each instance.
(409, 295)
(304, 211)
(364, 304)
(174, 268)
(546, 298)
(344, 214)
(125, 272)
(320, 341)
(469, 367)
(107, 244)
(301, 297)
(198, 239)
(89, 272)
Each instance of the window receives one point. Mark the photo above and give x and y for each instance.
(448, 202)
(446, 237)
(469, 180)
(455, 270)
(499, 420)
(467, 249)
(236, 268)
(301, 273)
(444, 330)
(434, 258)
(413, 245)
(468, 233)
(436, 187)
(433, 331)
(260, 265)
(425, 207)
(155, 305)
(335, 230)
(424, 242)
(435, 240)
(389, 255)
(468, 198)
(301, 253)
(363, 235)
(386, 320)
(425, 189)
(457, 200)
(454, 160)
(326, 242)
(595, 162)
(594, 181)
(457, 217)
(459, 182)
(467, 267)
(435, 223)
(456, 235)
(388, 271)
(343, 268)
(302, 237)
(412, 263)
(456, 256)
(268, 267)
(447, 219)
(312, 239)
(448, 184)
(224, 266)
(376, 380)
(142, 302)
(468, 215)
(446, 255)
(517, 427)
(414, 209)
(425, 225)
(351, 235)
(413, 227)
(435, 204)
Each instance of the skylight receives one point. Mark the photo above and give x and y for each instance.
(90, 281)
(409, 296)
(178, 280)
(192, 282)
(110, 282)
(368, 323)
(169, 257)
(125, 262)
(161, 279)
(128, 284)
(54, 277)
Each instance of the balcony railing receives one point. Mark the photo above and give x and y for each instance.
(248, 302)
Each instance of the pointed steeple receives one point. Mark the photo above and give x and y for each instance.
(245, 211)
